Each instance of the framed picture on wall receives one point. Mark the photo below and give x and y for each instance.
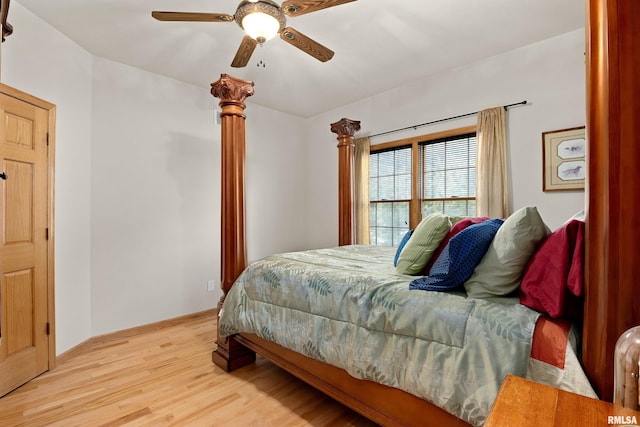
(564, 164)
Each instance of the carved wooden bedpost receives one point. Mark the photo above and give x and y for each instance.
(345, 129)
(232, 92)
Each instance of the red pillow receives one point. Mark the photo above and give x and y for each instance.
(552, 281)
(457, 227)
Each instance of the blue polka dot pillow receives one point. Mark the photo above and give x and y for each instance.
(459, 258)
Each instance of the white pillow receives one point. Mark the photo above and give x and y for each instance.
(503, 264)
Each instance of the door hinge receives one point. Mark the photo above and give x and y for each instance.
(46, 233)
(47, 139)
(48, 328)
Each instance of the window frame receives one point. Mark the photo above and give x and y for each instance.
(415, 211)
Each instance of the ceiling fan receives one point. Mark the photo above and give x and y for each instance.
(262, 20)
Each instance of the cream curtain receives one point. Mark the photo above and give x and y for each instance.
(361, 189)
(491, 166)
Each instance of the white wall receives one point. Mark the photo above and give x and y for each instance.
(42, 62)
(276, 182)
(550, 75)
(155, 198)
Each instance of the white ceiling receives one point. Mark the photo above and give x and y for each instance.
(378, 44)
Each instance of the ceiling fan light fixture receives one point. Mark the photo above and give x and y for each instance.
(261, 19)
(260, 26)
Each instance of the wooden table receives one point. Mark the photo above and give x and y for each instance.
(523, 403)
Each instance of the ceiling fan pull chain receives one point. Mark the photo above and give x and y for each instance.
(260, 62)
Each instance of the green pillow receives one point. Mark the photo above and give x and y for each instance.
(502, 266)
(423, 242)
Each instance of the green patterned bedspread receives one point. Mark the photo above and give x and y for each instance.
(347, 307)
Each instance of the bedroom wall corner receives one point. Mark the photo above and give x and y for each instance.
(155, 198)
(276, 182)
(322, 178)
(39, 60)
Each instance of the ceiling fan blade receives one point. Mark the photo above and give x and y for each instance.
(244, 52)
(192, 16)
(300, 7)
(306, 44)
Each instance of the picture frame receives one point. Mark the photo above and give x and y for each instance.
(564, 165)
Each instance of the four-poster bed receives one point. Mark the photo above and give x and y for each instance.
(610, 305)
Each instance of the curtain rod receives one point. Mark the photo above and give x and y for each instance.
(443, 120)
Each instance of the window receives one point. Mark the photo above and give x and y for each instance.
(411, 179)
(448, 176)
(389, 195)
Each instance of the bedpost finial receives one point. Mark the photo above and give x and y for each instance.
(345, 127)
(231, 89)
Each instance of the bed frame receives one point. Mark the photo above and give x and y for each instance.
(612, 232)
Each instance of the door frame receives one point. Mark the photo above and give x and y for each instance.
(51, 139)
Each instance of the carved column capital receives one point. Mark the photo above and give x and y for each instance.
(232, 90)
(345, 129)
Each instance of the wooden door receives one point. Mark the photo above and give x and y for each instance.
(24, 233)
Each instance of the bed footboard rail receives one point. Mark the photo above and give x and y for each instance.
(387, 406)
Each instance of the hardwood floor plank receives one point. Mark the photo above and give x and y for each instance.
(162, 375)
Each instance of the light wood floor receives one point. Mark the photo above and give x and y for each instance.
(162, 375)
